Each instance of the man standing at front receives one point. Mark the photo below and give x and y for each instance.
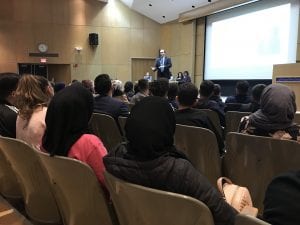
(163, 65)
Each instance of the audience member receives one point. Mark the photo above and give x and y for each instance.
(216, 96)
(118, 92)
(59, 86)
(151, 159)
(186, 115)
(128, 90)
(88, 84)
(186, 77)
(143, 91)
(159, 87)
(8, 112)
(67, 132)
(241, 95)
(206, 91)
(254, 105)
(281, 204)
(172, 93)
(32, 97)
(104, 102)
(276, 115)
(179, 77)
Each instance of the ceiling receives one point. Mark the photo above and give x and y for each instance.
(163, 11)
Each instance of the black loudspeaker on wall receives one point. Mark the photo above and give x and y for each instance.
(93, 39)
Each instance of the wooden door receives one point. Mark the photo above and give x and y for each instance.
(140, 66)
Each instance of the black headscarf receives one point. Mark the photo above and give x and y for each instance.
(278, 107)
(67, 119)
(150, 130)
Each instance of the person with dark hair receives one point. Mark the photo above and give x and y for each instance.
(275, 116)
(8, 112)
(281, 203)
(32, 98)
(159, 87)
(241, 96)
(216, 96)
(128, 90)
(179, 77)
(149, 158)
(67, 132)
(88, 84)
(143, 91)
(172, 93)
(163, 65)
(186, 77)
(59, 86)
(254, 105)
(186, 115)
(206, 91)
(104, 102)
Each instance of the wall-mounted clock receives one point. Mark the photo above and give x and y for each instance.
(42, 47)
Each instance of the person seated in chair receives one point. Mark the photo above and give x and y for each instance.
(8, 111)
(206, 91)
(67, 131)
(186, 115)
(276, 115)
(143, 91)
(149, 158)
(104, 102)
(254, 105)
(281, 203)
(241, 96)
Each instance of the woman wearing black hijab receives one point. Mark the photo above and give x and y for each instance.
(275, 116)
(150, 158)
(66, 131)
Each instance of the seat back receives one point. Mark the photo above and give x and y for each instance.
(136, 205)
(253, 161)
(78, 193)
(297, 118)
(39, 202)
(232, 119)
(201, 147)
(248, 220)
(122, 121)
(106, 128)
(9, 185)
(214, 118)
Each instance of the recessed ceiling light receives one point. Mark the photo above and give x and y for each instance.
(193, 6)
(163, 16)
(150, 4)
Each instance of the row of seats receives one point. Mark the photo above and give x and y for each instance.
(250, 161)
(60, 190)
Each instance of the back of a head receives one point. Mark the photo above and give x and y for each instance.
(88, 84)
(187, 94)
(117, 88)
(32, 92)
(242, 87)
(278, 103)
(150, 127)
(206, 88)
(173, 91)
(8, 84)
(159, 87)
(67, 118)
(281, 203)
(217, 89)
(128, 86)
(102, 84)
(257, 91)
(143, 85)
(59, 86)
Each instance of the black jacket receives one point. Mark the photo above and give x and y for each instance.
(8, 117)
(172, 174)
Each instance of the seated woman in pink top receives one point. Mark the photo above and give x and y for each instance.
(67, 132)
(32, 97)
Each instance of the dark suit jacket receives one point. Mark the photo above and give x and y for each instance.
(110, 106)
(167, 63)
